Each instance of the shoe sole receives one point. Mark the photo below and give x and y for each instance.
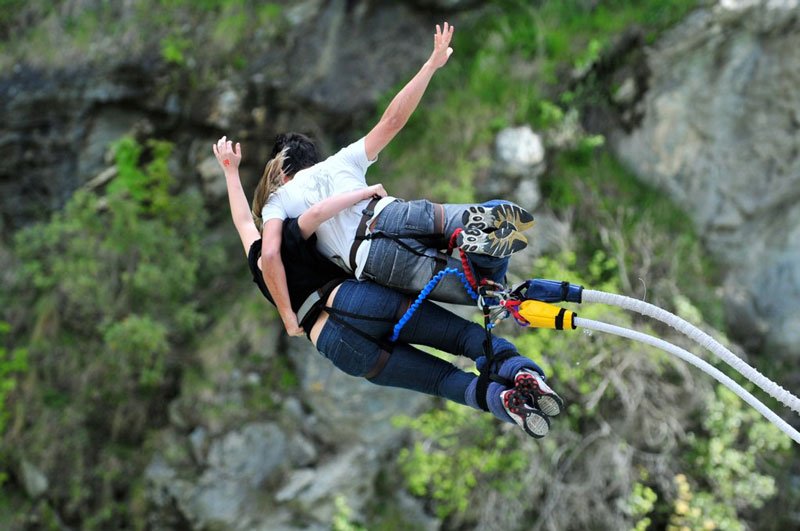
(501, 243)
(547, 401)
(488, 218)
(533, 421)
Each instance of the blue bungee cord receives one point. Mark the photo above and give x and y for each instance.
(425, 292)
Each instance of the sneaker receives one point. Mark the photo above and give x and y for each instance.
(533, 421)
(500, 243)
(490, 218)
(532, 383)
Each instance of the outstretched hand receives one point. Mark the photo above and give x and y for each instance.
(441, 45)
(227, 155)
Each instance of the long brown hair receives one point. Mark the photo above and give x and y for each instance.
(271, 180)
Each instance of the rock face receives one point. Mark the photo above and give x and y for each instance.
(55, 126)
(720, 134)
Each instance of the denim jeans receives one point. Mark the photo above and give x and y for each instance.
(392, 265)
(409, 367)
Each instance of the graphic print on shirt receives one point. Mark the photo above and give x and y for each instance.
(317, 189)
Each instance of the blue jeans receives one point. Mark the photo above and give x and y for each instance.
(392, 265)
(408, 367)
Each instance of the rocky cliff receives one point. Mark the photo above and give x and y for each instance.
(260, 431)
(719, 133)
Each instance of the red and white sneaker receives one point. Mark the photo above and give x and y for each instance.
(542, 396)
(533, 421)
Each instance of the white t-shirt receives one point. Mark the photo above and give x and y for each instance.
(342, 172)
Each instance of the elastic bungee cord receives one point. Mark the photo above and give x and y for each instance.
(697, 362)
(533, 308)
(700, 337)
(424, 294)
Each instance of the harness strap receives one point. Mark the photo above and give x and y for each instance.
(314, 302)
(398, 238)
(335, 315)
(366, 215)
(385, 349)
(489, 374)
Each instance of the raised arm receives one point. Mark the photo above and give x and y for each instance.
(272, 268)
(321, 212)
(403, 104)
(229, 159)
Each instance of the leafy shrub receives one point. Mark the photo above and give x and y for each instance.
(111, 285)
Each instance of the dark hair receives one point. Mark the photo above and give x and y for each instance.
(299, 152)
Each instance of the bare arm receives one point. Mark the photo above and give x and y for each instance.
(403, 104)
(229, 159)
(321, 212)
(271, 265)
(274, 273)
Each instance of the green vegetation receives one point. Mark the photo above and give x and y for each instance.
(107, 291)
(511, 66)
(200, 40)
(482, 464)
(110, 286)
(12, 365)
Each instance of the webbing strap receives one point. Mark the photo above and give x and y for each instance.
(366, 215)
(489, 374)
(333, 314)
(398, 238)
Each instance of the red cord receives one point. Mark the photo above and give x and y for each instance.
(452, 244)
(468, 269)
(465, 265)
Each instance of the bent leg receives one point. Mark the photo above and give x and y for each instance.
(410, 264)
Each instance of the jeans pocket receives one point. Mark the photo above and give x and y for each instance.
(349, 359)
(419, 218)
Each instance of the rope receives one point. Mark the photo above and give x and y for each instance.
(697, 362)
(425, 292)
(465, 263)
(694, 333)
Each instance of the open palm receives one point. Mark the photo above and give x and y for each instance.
(441, 45)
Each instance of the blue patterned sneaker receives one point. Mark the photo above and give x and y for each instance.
(531, 383)
(533, 421)
(490, 218)
(500, 243)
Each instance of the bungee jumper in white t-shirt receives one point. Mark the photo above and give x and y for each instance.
(393, 242)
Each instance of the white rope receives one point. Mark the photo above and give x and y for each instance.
(683, 326)
(697, 362)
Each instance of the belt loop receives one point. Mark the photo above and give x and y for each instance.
(438, 218)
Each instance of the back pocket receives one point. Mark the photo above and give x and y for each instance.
(349, 359)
